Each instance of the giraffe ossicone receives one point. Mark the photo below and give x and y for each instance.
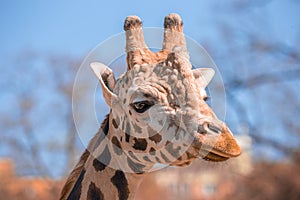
(158, 115)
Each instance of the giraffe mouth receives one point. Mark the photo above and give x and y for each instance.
(214, 155)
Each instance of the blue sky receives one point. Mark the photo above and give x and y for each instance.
(75, 27)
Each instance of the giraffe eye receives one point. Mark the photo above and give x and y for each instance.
(142, 106)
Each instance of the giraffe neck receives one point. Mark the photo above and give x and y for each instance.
(107, 184)
(103, 172)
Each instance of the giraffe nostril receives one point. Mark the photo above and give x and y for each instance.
(209, 128)
(214, 128)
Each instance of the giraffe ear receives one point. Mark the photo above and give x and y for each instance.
(107, 81)
(204, 76)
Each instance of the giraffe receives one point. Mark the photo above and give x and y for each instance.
(158, 114)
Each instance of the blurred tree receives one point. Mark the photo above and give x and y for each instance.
(261, 69)
(37, 124)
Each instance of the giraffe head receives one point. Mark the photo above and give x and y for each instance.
(158, 108)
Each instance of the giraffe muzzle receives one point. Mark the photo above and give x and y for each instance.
(215, 141)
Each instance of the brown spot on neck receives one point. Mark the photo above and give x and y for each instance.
(94, 193)
(120, 182)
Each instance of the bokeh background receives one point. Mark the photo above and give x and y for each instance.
(254, 43)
